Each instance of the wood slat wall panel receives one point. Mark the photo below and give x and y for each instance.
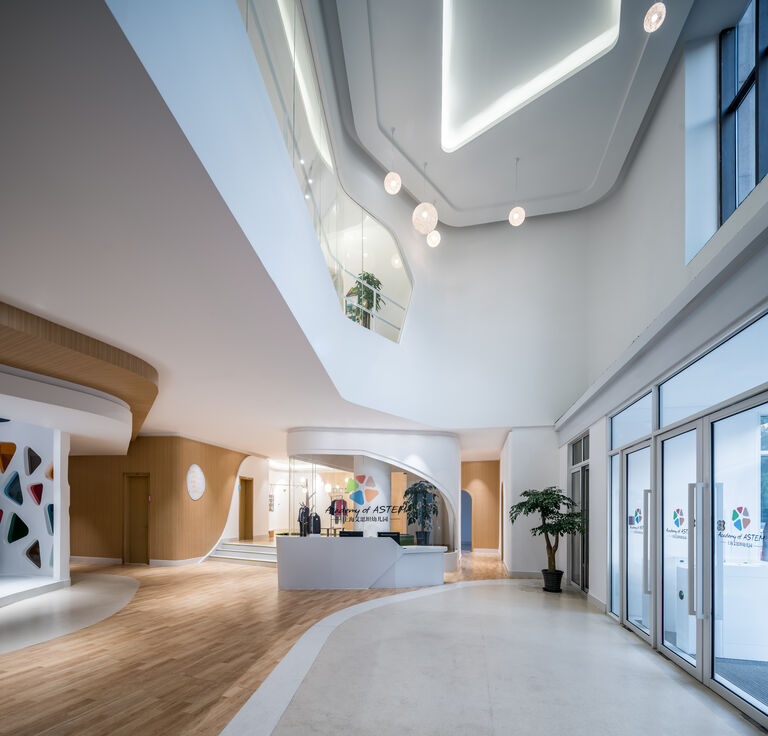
(481, 479)
(179, 528)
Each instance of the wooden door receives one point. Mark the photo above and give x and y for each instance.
(136, 533)
(246, 508)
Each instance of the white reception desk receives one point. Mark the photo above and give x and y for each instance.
(330, 563)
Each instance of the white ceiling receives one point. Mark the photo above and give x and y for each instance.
(110, 225)
(572, 140)
(483, 79)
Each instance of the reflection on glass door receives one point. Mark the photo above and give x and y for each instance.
(740, 591)
(575, 539)
(678, 471)
(638, 484)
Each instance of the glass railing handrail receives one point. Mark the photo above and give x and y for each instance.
(281, 44)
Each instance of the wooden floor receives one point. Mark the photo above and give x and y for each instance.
(181, 658)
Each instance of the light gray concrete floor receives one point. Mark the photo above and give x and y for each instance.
(91, 598)
(498, 659)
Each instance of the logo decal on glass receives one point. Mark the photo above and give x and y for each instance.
(740, 518)
(677, 518)
(638, 516)
(362, 489)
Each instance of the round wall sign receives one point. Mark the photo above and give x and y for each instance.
(195, 482)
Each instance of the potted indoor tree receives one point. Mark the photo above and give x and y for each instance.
(558, 518)
(366, 297)
(420, 506)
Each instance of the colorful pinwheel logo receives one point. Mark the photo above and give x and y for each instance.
(740, 518)
(677, 518)
(362, 489)
(638, 516)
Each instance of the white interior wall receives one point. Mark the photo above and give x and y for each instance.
(258, 469)
(530, 459)
(598, 511)
(279, 519)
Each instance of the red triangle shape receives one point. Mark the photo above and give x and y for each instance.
(360, 479)
(36, 491)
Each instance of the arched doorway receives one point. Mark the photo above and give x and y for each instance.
(466, 521)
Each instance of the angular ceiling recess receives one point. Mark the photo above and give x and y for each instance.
(556, 40)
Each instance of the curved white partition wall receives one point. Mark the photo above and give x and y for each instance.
(434, 456)
(40, 417)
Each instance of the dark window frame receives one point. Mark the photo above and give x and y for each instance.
(731, 98)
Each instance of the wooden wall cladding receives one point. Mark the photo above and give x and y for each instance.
(179, 528)
(34, 344)
(481, 480)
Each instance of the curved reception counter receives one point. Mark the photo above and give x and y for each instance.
(332, 563)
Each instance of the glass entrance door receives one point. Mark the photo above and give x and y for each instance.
(639, 578)
(681, 511)
(739, 633)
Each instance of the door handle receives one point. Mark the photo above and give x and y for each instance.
(695, 554)
(691, 550)
(646, 525)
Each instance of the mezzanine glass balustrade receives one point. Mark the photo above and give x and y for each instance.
(353, 242)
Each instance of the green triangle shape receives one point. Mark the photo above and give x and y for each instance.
(17, 529)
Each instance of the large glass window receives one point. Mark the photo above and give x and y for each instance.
(632, 423)
(740, 591)
(730, 369)
(741, 99)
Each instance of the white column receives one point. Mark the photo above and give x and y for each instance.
(372, 496)
(61, 505)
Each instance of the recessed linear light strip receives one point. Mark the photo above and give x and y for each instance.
(454, 137)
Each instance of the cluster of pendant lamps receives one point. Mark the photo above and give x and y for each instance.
(425, 217)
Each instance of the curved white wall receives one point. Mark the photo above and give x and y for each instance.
(432, 456)
(258, 469)
(98, 424)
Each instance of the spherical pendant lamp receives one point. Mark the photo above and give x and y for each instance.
(654, 17)
(433, 239)
(392, 183)
(516, 216)
(424, 218)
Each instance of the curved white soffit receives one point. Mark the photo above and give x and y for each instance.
(455, 133)
(435, 457)
(97, 423)
(372, 133)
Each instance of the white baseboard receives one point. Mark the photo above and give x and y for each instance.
(177, 563)
(32, 592)
(97, 560)
(597, 603)
(526, 575)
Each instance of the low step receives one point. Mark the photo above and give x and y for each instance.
(243, 547)
(243, 555)
(242, 561)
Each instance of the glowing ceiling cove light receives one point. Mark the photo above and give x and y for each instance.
(654, 17)
(456, 130)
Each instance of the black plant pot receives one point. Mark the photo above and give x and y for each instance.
(422, 538)
(552, 580)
